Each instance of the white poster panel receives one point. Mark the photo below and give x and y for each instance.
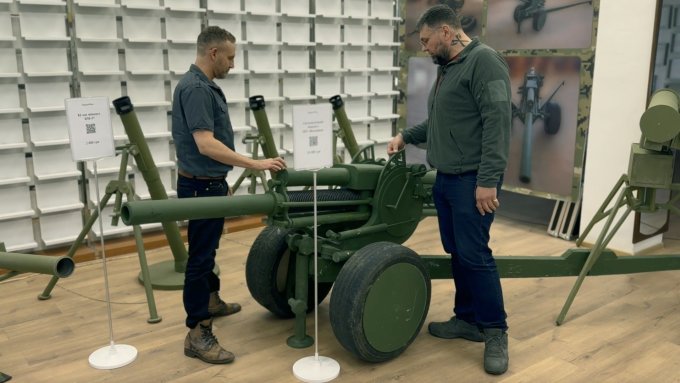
(313, 136)
(89, 128)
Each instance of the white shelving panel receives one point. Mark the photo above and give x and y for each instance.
(356, 85)
(8, 63)
(147, 91)
(60, 228)
(9, 97)
(96, 26)
(328, 8)
(46, 61)
(261, 7)
(180, 58)
(296, 60)
(14, 170)
(356, 60)
(6, 26)
(381, 131)
(46, 95)
(225, 6)
(100, 60)
(144, 59)
(234, 88)
(328, 60)
(298, 88)
(263, 59)
(142, 27)
(51, 163)
(328, 85)
(182, 28)
(357, 9)
(57, 196)
(48, 129)
(43, 26)
(17, 234)
(296, 32)
(184, 6)
(11, 133)
(101, 87)
(295, 8)
(265, 86)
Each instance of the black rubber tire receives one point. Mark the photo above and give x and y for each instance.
(362, 273)
(270, 273)
(539, 20)
(553, 118)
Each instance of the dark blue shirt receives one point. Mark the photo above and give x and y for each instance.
(198, 103)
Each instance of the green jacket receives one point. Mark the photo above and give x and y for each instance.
(469, 116)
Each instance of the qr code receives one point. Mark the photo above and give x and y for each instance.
(313, 140)
(90, 128)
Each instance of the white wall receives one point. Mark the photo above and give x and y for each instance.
(620, 83)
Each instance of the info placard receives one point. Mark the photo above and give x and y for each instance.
(312, 136)
(89, 128)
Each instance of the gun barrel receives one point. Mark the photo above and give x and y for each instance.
(345, 125)
(60, 267)
(140, 212)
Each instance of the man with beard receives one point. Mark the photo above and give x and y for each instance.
(467, 134)
(204, 142)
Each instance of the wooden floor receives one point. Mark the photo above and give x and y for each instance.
(620, 328)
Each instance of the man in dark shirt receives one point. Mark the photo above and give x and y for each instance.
(204, 141)
(467, 133)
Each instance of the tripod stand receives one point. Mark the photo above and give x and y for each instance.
(119, 187)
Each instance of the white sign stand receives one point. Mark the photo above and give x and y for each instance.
(313, 146)
(91, 136)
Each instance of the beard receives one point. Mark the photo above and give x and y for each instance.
(442, 56)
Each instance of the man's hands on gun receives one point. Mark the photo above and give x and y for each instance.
(395, 144)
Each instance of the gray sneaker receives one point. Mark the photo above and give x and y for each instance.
(495, 351)
(455, 328)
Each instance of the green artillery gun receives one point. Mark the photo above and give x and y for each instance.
(529, 111)
(535, 10)
(381, 289)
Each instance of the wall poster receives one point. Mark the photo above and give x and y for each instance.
(550, 48)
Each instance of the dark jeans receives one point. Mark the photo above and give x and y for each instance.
(465, 235)
(204, 238)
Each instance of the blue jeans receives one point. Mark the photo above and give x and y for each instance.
(465, 235)
(204, 238)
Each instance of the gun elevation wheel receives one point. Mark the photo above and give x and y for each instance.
(553, 118)
(270, 273)
(380, 301)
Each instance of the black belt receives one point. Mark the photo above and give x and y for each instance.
(193, 177)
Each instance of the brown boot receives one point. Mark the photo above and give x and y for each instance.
(218, 308)
(201, 343)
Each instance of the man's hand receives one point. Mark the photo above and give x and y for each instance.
(487, 202)
(273, 164)
(395, 144)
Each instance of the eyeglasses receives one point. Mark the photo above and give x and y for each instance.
(425, 40)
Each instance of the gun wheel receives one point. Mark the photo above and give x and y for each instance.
(380, 301)
(539, 19)
(518, 13)
(553, 118)
(270, 273)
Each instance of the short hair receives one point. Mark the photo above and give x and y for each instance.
(211, 36)
(437, 15)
